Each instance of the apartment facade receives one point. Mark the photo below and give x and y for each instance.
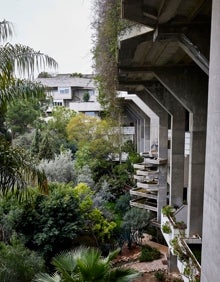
(73, 91)
(173, 67)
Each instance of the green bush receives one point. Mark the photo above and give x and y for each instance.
(17, 263)
(149, 254)
(166, 228)
(160, 275)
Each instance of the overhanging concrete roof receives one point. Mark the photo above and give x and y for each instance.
(168, 50)
(180, 37)
(175, 12)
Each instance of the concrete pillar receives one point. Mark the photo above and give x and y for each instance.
(154, 119)
(163, 123)
(172, 262)
(177, 113)
(211, 220)
(189, 86)
(144, 127)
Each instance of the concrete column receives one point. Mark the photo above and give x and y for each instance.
(189, 86)
(172, 262)
(142, 125)
(163, 123)
(177, 113)
(154, 119)
(211, 220)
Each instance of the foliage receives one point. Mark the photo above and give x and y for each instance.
(15, 165)
(122, 204)
(76, 74)
(61, 169)
(24, 141)
(46, 151)
(22, 115)
(107, 28)
(17, 170)
(135, 221)
(160, 275)
(85, 175)
(95, 223)
(86, 264)
(167, 210)
(50, 224)
(60, 118)
(86, 97)
(44, 74)
(166, 228)
(149, 254)
(17, 263)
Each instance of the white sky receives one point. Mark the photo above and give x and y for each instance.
(58, 28)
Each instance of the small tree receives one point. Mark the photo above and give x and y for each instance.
(134, 223)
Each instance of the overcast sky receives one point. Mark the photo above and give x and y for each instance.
(58, 28)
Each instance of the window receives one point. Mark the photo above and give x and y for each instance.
(64, 90)
(57, 104)
(91, 114)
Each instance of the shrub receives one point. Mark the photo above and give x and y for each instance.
(149, 254)
(167, 211)
(160, 275)
(166, 228)
(18, 263)
(61, 169)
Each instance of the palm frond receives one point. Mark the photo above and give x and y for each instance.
(23, 59)
(6, 30)
(17, 170)
(122, 274)
(91, 265)
(65, 262)
(112, 255)
(44, 277)
(19, 88)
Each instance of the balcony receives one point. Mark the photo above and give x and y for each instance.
(144, 203)
(188, 258)
(150, 191)
(187, 250)
(85, 106)
(173, 223)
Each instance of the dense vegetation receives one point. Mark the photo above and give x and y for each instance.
(75, 192)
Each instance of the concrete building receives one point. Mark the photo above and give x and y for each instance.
(76, 92)
(174, 69)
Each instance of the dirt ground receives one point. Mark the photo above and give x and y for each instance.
(129, 258)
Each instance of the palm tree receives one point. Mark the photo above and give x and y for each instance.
(87, 265)
(16, 168)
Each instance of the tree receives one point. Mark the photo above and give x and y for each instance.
(22, 115)
(24, 60)
(135, 221)
(87, 264)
